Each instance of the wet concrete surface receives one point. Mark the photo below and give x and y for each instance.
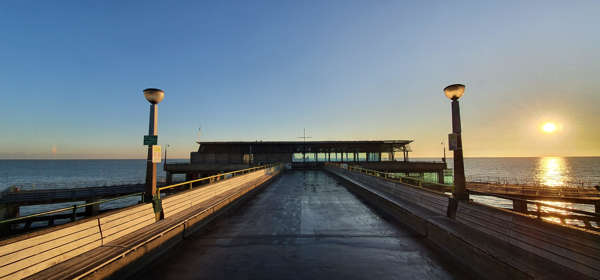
(305, 225)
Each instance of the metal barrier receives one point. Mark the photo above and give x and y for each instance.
(397, 178)
(157, 200)
(213, 177)
(71, 208)
(521, 205)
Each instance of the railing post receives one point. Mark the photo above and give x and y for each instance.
(74, 214)
(157, 206)
(519, 205)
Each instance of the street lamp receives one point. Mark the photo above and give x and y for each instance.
(154, 96)
(454, 92)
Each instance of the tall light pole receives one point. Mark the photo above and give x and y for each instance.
(454, 92)
(154, 96)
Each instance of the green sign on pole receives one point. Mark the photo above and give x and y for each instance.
(150, 140)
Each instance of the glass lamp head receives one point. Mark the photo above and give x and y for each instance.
(154, 95)
(455, 91)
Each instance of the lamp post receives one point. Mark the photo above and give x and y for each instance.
(454, 92)
(154, 96)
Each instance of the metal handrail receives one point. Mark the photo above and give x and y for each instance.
(72, 208)
(390, 175)
(232, 173)
(538, 204)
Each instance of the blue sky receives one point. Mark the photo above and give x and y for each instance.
(72, 74)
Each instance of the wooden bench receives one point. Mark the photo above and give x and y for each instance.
(431, 200)
(133, 247)
(23, 256)
(177, 203)
(568, 246)
(523, 245)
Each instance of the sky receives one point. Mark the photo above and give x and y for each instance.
(72, 74)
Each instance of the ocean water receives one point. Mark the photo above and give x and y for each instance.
(45, 174)
(51, 174)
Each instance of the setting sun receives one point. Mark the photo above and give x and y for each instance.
(549, 127)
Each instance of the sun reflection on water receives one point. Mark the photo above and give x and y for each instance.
(552, 171)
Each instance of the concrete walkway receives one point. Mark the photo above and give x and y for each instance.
(305, 225)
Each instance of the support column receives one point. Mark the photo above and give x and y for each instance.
(8, 211)
(520, 206)
(440, 175)
(92, 210)
(169, 178)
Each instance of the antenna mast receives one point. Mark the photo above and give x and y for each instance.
(304, 144)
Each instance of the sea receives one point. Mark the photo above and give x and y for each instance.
(48, 174)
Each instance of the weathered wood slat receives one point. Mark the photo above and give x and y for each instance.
(211, 188)
(28, 267)
(562, 255)
(565, 246)
(190, 199)
(431, 201)
(557, 233)
(512, 233)
(118, 215)
(10, 247)
(98, 256)
(135, 223)
(27, 256)
(44, 247)
(567, 258)
(174, 198)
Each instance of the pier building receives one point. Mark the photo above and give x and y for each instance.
(382, 155)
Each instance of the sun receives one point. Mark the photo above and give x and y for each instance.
(549, 127)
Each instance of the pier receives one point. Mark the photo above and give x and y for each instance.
(334, 221)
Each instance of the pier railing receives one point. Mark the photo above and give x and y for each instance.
(121, 237)
(28, 219)
(417, 182)
(535, 208)
(191, 183)
(583, 184)
(72, 212)
(548, 212)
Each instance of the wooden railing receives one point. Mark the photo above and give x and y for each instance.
(397, 178)
(25, 255)
(542, 210)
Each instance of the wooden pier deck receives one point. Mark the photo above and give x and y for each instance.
(304, 209)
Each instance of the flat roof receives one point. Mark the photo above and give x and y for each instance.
(306, 142)
(301, 146)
